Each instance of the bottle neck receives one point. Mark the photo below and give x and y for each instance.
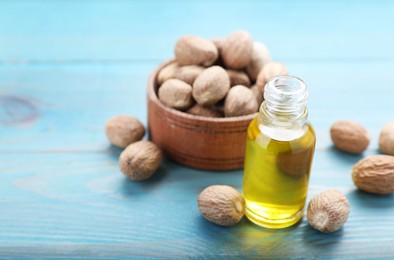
(285, 103)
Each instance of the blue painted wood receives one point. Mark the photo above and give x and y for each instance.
(67, 66)
(138, 30)
(57, 204)
(64, 107)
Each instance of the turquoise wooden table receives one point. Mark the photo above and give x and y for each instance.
(67, 66)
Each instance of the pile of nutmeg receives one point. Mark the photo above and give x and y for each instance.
(216, 78)
(374, 173)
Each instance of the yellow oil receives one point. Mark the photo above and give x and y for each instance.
(276, 176)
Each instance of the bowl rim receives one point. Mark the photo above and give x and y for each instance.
(152, 85)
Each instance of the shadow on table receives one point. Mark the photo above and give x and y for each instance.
(316, 238)
(344, 156)
(369, 200)
(252, 240)
(130, 188)
(114, 152)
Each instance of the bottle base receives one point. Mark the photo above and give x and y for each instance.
(273, 223)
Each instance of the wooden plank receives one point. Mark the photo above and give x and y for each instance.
(57, 107)
(63, 108)
(68, 205)
(37, 31)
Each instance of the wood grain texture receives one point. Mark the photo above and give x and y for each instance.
(67, 66)
(71, 103)
(80, 205)
(126, 30)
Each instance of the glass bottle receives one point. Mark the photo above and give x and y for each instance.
(279, 151)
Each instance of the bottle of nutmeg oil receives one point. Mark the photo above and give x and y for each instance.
(279, 151)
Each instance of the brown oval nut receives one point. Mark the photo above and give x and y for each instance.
(168, 72)
(270, 69)
(386, 139)
(328, 211)
(258, 95)
(222, 205)
(188, 73)
(297, 162)
(238, 78)
(140, 160)
(375, 174)
(176, 94)
(260, 57)
(218, 43)
(237, 50)
(211, 86)
(123, 130)
(240, 101)
(198, 110)
(194, 50)
(349, 136)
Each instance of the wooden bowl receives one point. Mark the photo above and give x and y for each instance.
(196, 141)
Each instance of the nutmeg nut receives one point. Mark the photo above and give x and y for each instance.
(386, 139)
(222, 205)
(375, 174)
(238, 78)
(270, 69)
(176, 94)
(297, 162)
(237, 50)
(350, 136)
(211, 86)
(194, 50)
(260, 57)
(168, 72)
(199, 110)
(218, 43)
(188, 73)
(140, 160)
(240, 101)
(328, 211)
(123, 130)
(258, 95)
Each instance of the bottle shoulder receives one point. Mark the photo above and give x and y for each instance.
(259, 131)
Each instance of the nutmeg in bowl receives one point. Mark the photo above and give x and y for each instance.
(208, 143)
